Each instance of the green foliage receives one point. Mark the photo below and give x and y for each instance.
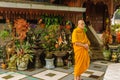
(27, 52)
(4, 34)
(115, 27)
(51, 20)
(85, 29)
(25, 46)
(117, 14)
(25, 57)
(49, 37)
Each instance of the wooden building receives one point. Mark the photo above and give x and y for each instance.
(97, 11)
(94, 12)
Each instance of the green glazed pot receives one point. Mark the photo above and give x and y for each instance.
(106, 54)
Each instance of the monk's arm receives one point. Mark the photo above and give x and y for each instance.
(81, 44)
(77, 42)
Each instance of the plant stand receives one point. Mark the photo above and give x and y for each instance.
(59, 62)
(60, 54)
(49, 63)
(37, 59)
(38, 51)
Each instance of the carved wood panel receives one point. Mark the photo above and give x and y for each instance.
(34, 14)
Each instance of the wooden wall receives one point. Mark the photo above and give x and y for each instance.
(35, 14)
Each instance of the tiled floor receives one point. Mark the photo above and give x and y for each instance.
(96, 71)
(113, 72)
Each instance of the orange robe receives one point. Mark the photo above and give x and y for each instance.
(81, 55)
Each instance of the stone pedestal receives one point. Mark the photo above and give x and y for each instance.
(49, 63)
(59, 61)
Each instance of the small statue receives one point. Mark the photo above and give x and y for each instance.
(10, 49)
(114, 57)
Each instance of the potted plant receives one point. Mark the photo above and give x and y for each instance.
(5, 38)
(63, 46)
(24, 55)
(34, 38)
(49, 38)
(107, 40)
(23, 48)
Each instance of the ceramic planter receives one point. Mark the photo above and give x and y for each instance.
(22, 63)
(106, 54)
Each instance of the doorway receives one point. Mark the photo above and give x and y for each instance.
(96, 15)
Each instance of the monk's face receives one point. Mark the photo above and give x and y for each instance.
(81, 24)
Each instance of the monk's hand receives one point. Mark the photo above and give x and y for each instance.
(86, 46)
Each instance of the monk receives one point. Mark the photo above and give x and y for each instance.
(80, 46)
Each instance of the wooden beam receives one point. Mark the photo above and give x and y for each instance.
(40, 6)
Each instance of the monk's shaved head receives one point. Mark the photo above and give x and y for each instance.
(80, 21)
(81, 24)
